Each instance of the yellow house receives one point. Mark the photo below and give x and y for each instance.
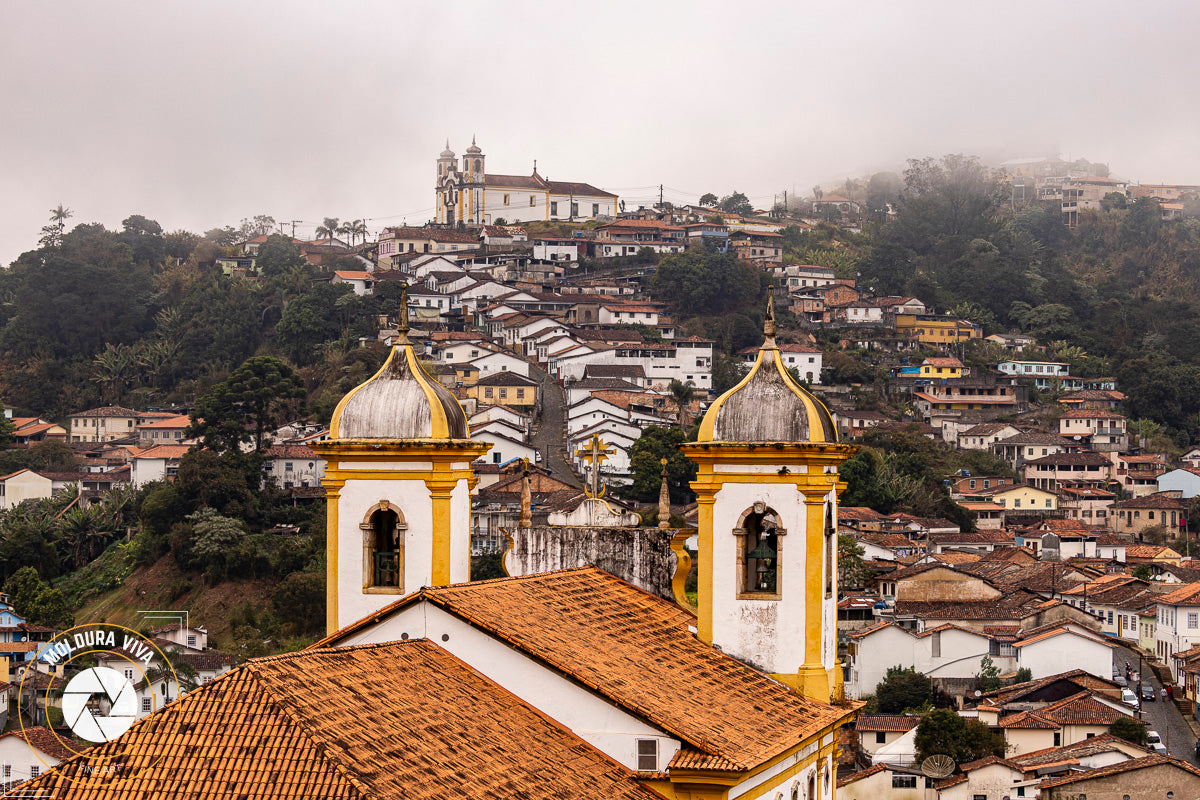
(941, 368)
(505, 389)
(1025, 498)
(933, 329)
(466, 374)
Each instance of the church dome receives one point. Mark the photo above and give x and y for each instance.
(473, 150)
(768, 405)
(447, 153)
(399, 401)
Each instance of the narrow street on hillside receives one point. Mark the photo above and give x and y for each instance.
(1159, 715)
(550, 431)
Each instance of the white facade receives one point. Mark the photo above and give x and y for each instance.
(768, 634)
(411, 499)
(504, 449)
(22, 486)
(1064, 652)
(948, 653)
(492, 363)
(1180, 480)
(1177, 629)
(555, 250)
(1043, 369)
(20, 761)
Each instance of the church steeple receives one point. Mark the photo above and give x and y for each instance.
(767, 488)
(397, 486)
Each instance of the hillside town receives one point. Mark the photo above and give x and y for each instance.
(1059, 606)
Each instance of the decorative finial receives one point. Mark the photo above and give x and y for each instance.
(526, 520)
(664, 500)
(769, 322)
(447, 142)
(535, 166)
(472, 140)
(402, 325)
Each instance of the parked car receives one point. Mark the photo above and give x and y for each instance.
(1155, 742)
(1148, 692)
(1129, 698)
(1119, 680)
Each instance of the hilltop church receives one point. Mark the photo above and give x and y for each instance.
(473, 196)
(570, 683)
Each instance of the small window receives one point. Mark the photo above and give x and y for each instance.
(647, 755)
(8, 770)
(531, 201)
(554, 209)
(880, 737)
(506, 199)
(191, 640)
(35, 770)
(128, 674)
(904, 781)
(1193, 620)
(146, 703)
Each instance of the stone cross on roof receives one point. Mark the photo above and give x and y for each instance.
(594, 454)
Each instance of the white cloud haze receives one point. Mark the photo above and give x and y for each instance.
(198, 114)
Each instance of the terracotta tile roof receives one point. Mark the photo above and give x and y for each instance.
(943, 362)
(1156, 500)
(895, 723)
(1152, 760)
(858, 514)
(108, 411)
(43, 739)
(858, 776)
(290, 451)
(166, 451)
(404, 719)
(627, 645)
(1091, 413)
(1187, 595)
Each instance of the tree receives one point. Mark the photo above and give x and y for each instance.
(244, 406)
(1129, 729)
(645, 462)
(708, 200)
(903, 689)
(944, 731)
(1114, 200)
(6, 431)
(36, 601)
(328, 229)
(989, 675)
(52, 234)
(278, 255)
(1142, 572)
(706, 283)
(1023, 675)
(852, 572)
(682, 393)
(736, 203)
(300, 597)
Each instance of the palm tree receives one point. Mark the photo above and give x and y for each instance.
(59, 215)
(359, 229)
(347, 229)
(328, 228)
(681, 393)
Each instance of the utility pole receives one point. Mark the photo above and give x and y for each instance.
(785, 205)
(294, 222)
(660, 197)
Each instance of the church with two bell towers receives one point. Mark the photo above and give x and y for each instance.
(467, 194)
(399, 480)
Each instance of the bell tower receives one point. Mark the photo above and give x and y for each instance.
(397, 485)
(767, 488)
(446, 191)
(473, 185)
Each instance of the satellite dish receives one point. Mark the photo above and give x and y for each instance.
(979, 693)
(938, 765)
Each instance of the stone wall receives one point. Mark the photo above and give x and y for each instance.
(641, 556)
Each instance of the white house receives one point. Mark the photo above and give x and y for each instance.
(291, 465)
(1178, 622)
(156, 464)
(1185, 480)
(362, 282)
(1062, 648)
(496, 361)
(24, 484)
(805, 360)
(504, 448)
(556, 249)
(946, 651)
(510, 416)
(27, 753)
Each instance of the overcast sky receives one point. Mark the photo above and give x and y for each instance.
(199, 114)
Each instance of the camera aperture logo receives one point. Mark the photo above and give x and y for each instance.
(101, 677)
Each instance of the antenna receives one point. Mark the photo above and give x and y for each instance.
(938, 765)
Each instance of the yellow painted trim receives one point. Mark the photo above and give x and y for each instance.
(332, 492)
(440, 491)
(704, 576)
(683, 566)
(813, 675)
(336, 420)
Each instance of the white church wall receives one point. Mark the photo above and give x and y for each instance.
(767, 633)
(590, 717)
(411, 498)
